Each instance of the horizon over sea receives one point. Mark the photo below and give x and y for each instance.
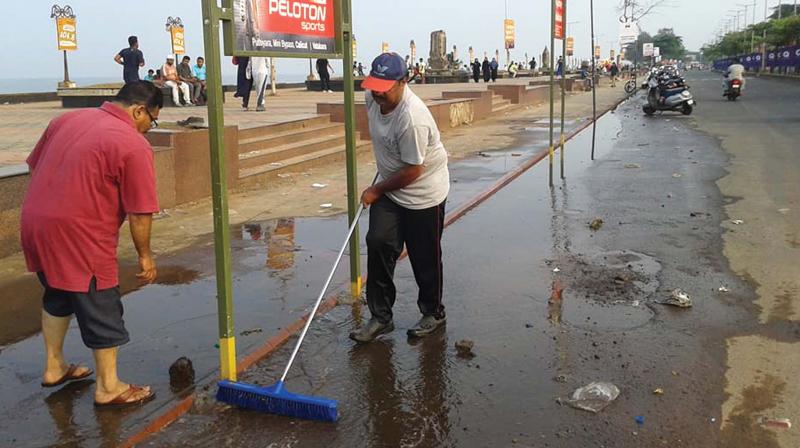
(35, 85)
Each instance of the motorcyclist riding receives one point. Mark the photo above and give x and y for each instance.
(734, 71)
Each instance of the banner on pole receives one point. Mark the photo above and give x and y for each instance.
(178, 43)
(597, 51)
(384, 47)
(508, 32)
(570, 46)
(66, 32)
(558, 29)
(611, 54)
(647, 50)
(656, 52)
(628, 32)
(286, 28)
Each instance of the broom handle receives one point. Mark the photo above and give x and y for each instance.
(325, 287)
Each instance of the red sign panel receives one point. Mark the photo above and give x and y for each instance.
(297, 17)
(286, 26)
(558, 28)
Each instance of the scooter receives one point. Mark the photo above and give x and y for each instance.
(668, 92)
(733, 89)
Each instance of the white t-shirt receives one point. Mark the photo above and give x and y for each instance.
(409, 136)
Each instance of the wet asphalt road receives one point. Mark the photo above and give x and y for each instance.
(653, 186)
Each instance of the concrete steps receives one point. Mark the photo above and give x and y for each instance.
(295, 146)
(499, 103)
(333, 155)
(304, 123)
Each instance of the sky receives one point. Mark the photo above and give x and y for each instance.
(28, 43)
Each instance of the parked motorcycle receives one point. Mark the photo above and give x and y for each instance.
(667, 90)
(733, 89)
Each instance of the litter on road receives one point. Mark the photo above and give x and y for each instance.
(723, 289)
(596, 224)
(594, 397)
(737, 221)
(318, 185)
(777, 423)
(464, 348)
(678, 298)
(326, 205)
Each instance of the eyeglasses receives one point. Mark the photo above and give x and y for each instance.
(153, 121)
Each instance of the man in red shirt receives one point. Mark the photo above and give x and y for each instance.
(89, 171)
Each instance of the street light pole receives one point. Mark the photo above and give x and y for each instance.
(57, 12)
(173, 22)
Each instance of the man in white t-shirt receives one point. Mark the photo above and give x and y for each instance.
(406, 202)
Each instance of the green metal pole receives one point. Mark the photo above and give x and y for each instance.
(552, 80)
(353, 197)
(563, 82)
(594, 79)
(219, 190)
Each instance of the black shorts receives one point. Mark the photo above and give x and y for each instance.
(99, 313)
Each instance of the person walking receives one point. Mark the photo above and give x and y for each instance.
(131, 59)
(324, 76)
(407, 202)
(533, 64)
(476, 70)
(423, 69)
(614, 72)
(90, 169)
(493, 66)
(259, 67)
(171, 79)
(486, 70)
(560, 67)
(244, 80)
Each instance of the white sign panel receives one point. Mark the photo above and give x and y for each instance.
(628, 32)
(647, 50)
(656, 51)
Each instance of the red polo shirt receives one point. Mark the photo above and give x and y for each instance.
(89, 170)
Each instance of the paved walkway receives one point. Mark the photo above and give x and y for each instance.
(22, 124)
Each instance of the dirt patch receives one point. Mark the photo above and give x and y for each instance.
(610, 277)
(741, 430)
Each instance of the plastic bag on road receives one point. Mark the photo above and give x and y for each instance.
(594, 397)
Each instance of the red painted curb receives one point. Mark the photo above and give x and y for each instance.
(273, 343)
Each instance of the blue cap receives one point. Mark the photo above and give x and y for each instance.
(387, 69)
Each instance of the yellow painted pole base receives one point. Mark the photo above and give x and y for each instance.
(227, 358)
(355, 287)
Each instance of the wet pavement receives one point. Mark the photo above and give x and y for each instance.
(278, 267)
(551, 305)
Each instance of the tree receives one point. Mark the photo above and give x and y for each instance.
(671, 46)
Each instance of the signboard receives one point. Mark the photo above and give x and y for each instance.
(570, 46)
(628, 32)
(178, 44)
(508, 32)
(656, 52)
(647, 50)
(558, 29)
(287, 28)
(384, 47)
(597, 51)
(611, 54)
(66, 32)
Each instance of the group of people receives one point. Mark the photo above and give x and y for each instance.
(488, 69)
(92, 169)
(184, 79)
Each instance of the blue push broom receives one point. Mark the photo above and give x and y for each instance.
(275, 399)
